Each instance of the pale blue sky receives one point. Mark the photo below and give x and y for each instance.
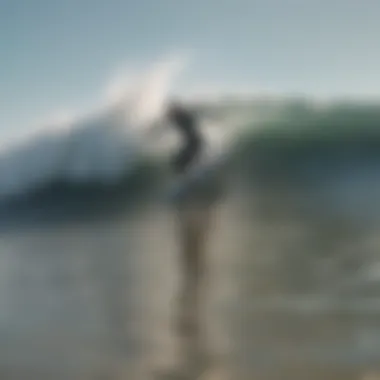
(59, 53)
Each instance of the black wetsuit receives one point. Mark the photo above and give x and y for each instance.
(186, 123)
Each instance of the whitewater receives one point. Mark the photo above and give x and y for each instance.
(104, 145)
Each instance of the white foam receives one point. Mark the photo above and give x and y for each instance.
(102, 145)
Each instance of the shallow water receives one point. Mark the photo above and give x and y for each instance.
(291, 293)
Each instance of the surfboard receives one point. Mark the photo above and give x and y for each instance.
(202, 183)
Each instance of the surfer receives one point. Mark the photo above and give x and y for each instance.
(186, 123)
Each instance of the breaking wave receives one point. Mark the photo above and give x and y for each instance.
(103, 146)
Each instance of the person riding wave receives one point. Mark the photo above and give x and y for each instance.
(186, 123)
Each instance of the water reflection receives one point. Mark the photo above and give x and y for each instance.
(288, 294)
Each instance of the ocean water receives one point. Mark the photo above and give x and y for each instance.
(89, 249)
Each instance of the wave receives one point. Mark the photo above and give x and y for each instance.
(326, 160)
(103, 146)
(106, 146)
